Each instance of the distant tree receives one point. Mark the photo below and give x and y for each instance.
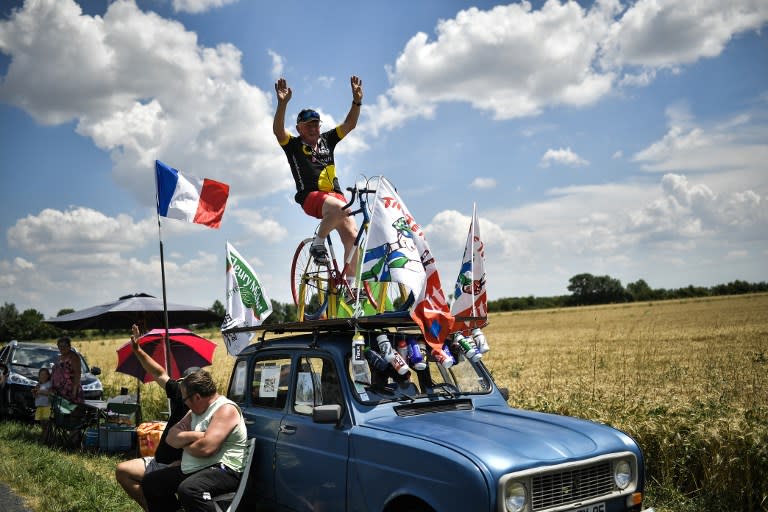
(589, 289)
(65, 311)
(9, 318)
(218, 308)
(639, 290)
(281, 313)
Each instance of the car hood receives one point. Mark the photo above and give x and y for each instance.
(506, 439)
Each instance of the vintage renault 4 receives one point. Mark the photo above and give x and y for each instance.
(437, 435)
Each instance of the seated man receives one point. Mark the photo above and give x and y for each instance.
(215, 443)
(130, 473)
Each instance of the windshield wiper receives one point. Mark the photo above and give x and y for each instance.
(444, 389)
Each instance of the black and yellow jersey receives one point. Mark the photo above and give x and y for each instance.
(313, 169)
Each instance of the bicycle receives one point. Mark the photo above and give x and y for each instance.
(323, 291)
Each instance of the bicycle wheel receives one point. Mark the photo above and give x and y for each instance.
(309, 283)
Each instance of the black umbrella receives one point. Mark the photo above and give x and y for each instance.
(141, 309)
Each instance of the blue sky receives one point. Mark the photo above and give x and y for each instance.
(627, 139)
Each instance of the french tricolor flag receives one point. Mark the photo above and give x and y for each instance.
(188, 198)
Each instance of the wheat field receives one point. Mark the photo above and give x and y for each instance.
(687, 378)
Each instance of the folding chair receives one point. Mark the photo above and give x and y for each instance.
(68, 422)
(234, 498)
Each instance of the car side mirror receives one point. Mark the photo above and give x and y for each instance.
(95, 370)
(326, 413)
(505, 393)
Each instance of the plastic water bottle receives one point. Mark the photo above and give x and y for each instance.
(360, 370)
(377, 362)
(480, 341)
(415, 358)
(467, 348)
(423, 350)
(402, 349)
(443, 357)
(392, 357)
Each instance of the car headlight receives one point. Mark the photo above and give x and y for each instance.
(93, 386)
(15, 378)
(622, 474)
(514, 496)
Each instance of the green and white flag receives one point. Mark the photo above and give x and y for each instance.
(247, 303)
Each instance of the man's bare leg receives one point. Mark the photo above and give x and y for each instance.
(129, 475)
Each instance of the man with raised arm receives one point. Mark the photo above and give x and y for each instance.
(130, 473)
(214, 439)
(310, 156)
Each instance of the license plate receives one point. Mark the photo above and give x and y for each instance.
(595, 507)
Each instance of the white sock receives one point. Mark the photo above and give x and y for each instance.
(318, 241)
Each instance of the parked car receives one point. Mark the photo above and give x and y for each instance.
(331, 437)
(24, 361)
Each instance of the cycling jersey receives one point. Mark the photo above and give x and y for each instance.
(313, 169)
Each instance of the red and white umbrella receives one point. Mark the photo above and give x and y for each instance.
(187, 350)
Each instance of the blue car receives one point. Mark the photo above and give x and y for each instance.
(335, 435)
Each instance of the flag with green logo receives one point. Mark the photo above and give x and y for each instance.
(247, 302)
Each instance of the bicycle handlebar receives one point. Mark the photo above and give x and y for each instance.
(354, 191)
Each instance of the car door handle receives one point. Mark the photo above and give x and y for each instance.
(287, 429)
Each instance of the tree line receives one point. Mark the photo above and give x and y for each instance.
(586, 289)
(30, 324)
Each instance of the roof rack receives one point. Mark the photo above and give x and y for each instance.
(335, 324)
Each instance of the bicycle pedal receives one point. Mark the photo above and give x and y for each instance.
(319, 253)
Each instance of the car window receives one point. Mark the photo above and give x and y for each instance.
(236, 391)
(34, 357)
(462, 378)
(317, 383)
(269, 382)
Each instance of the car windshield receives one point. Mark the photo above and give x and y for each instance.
(40, 357)
(463, 378)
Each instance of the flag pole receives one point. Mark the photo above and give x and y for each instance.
(162, 277)
(167, 345)
(472, 255)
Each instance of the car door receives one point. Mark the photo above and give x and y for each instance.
(261, 391)
(311, 458)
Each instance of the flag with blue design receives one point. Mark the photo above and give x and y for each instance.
(397, 251)
(470, 301)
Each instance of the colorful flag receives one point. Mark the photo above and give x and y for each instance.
(469, 296)
(247, 303)
(397, 251)
(188, 198)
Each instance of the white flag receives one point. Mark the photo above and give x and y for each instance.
(470, 298)
(397, 251)
(247, 303)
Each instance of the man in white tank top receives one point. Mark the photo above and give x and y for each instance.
(214, 440)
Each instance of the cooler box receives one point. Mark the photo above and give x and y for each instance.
(117, 432)
(116, 439)
(149, 434)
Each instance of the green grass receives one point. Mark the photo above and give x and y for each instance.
(53, 480)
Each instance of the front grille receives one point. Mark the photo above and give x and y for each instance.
(572, 485)
(428, 407)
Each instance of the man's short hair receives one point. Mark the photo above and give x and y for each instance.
(200, 382)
